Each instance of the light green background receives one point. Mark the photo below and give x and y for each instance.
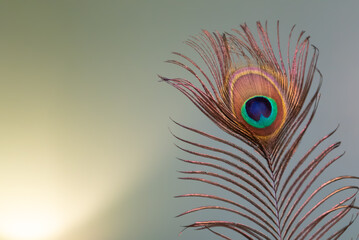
(85, 150)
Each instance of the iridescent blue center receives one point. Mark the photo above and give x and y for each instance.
(258, 106)
(259, 111)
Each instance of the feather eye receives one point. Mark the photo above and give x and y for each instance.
(253, 97)
(257, 101)
(256, 96)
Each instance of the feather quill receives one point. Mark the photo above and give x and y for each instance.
(253, 94)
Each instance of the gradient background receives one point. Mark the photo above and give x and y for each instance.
(85, 151)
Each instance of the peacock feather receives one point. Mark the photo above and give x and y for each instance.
(266, 100)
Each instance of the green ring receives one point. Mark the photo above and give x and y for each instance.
(263, 121)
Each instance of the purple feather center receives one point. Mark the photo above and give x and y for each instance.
(258, 106)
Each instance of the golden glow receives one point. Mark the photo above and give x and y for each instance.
(30, 222)
(54, 176)
(71, 141)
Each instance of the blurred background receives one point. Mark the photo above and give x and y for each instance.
(85, 150)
